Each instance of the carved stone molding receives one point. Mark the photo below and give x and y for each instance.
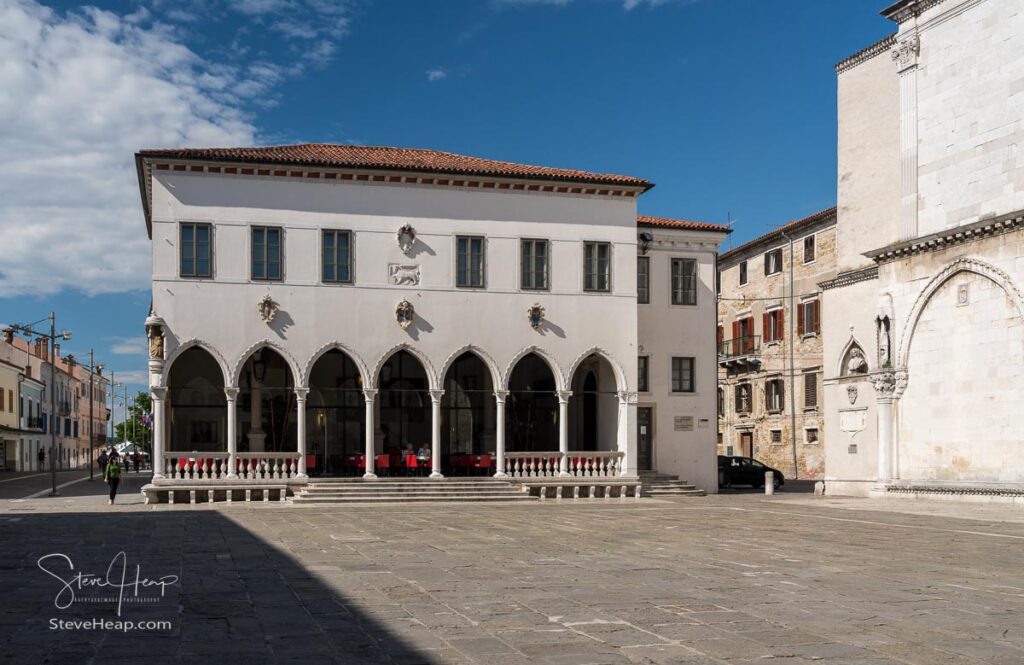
(884, 382)
(492, 366)
(905, 52)
(267, 309)
(401, 274)
(620, 375)
(348, 351)
(405, 314)
(556, 371)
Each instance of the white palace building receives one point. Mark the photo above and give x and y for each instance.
(331, 310)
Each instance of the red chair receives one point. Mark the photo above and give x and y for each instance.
(383, 463)
(483, 463)
(411, 463)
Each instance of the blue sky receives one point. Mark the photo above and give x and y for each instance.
(727, 105)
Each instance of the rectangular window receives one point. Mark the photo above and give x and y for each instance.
(718, 283)
(744, 402)
(810, 391)
(469, 261)
(597, 266)
(643, 365)
(266, 253)
(773, 325)
(682, 375)
(643, 280)
(337, 257)
(773, 395)
(743, 273)
(808, 317)
(534, 264)
(776, 436)
(773, 261)
(811, 435)
(195, 250)
(684, 281)
(809, 249)
(721, 408)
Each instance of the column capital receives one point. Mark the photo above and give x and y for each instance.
(300, 394)
(231, 393)
(563, 395)
(905, 52)
(159, 394)
(370, 394)
(501, 395)
(889, 384)
(436, 395)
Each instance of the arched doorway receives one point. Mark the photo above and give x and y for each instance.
(467, 412)
(335, 414)
(404, 403)
(266, 404)
(532, 419)
(594, 407)
(196, 404)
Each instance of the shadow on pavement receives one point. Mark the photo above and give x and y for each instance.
(239, 598)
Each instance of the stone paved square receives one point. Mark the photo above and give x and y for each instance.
(724, 579)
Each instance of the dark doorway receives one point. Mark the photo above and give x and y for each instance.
(532, 419)
(644, 439)
(335, 414)
(467, 408)
(590, 412)
(404, 403)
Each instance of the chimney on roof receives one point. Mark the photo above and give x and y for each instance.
(39, 349)
(71, 362)
(56, 352)
(9, 335)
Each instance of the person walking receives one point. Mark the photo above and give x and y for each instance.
(42, 458)
(112, 476)
(102, 461)
(136, 460)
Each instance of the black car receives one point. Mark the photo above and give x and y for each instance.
(745, 471)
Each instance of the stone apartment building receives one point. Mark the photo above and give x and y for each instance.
(756, 318)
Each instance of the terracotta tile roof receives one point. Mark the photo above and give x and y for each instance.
(667, 223)
(390, 159)
(777, 234)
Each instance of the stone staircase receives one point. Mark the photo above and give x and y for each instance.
(662, 484)
(410, 490)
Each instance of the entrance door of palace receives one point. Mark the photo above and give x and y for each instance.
(746, 444)
(644, 446)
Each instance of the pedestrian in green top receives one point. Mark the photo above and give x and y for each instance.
(112, 476)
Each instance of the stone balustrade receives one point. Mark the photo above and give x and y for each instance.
(203, 466)
(579, 464)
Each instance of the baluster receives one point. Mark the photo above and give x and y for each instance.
(203, 470)
(519, 467)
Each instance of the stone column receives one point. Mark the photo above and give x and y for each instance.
(499, 431)
(232, 396)
(159, 397)
(370, 395)
(627, 432)
(904, 53)
(300, 428)
(563, 432)
(885, 387)
(435, 433)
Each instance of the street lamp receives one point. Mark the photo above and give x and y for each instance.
(51, 339)
(94, 369)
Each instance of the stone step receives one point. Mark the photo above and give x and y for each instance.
(407, 479)
(673, 492)
(408, 488)
(383, 491)
(413, 499)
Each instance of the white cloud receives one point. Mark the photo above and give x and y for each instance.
(436, 74)
(82, 91)
(129, 346)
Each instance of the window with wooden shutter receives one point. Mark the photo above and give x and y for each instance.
(817, 317)
(780, 316)
(773, 262)
(773, 395)
(767, 327)
(773, 325)
(810, 391)
(800, 329)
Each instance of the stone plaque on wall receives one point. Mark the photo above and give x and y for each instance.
(684, 423)
(853, 420)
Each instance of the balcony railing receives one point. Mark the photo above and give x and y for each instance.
(34, 423)
(749, 345)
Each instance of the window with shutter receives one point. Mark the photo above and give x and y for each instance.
(800, 329)
(773, 262)
(817, 317)
(810, 391)
(809, 249)
(743, 273)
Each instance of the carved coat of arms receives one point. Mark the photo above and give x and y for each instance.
(405, 313)
(267, 309)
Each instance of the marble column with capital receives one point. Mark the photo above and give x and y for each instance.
(435, 433)
(232, 398)
(563, 432)
(159, 431)
(300, 429)
(889, 386)
(370, 395)
(499, 406)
